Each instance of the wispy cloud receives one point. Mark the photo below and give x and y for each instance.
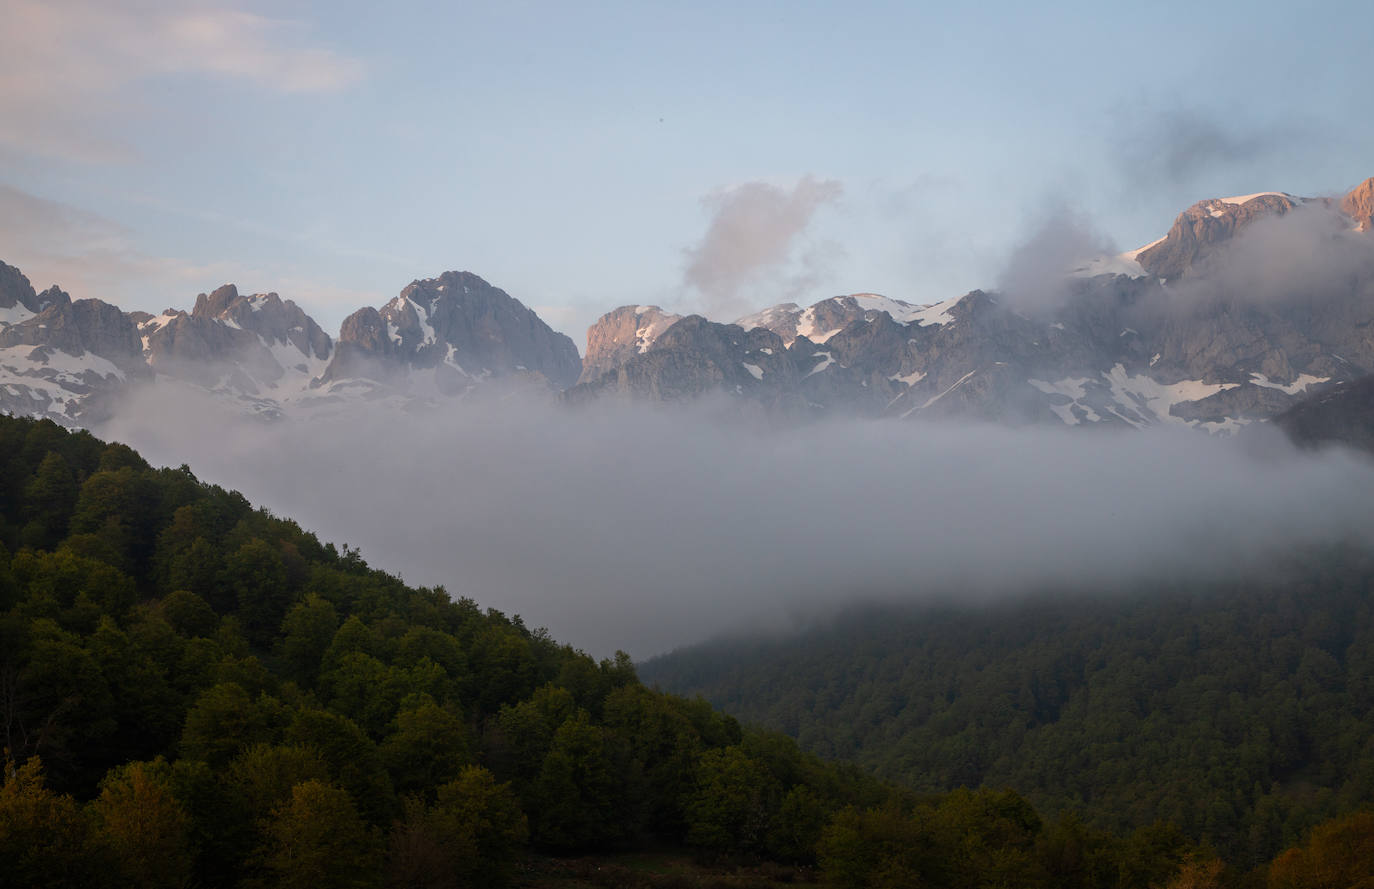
(1035, 276)
(65, 65)
(754, 232)
(56, 243)
(1184, 145)
(90, 255)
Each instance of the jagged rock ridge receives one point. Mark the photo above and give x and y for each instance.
(63, 359)
(1157, 338)
(456, 328)
(1162, 334)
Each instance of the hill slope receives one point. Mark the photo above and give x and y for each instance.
(1242, 713)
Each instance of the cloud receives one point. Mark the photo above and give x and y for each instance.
(1035, 275)
(1181, 146)
(1305, 257)
(65, 65)
(645, 528)
(87, 254)
(754, 233)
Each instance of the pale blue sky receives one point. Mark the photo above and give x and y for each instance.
(568, 152)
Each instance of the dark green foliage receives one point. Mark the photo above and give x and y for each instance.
(315, 840)
(189, 614)
(48, 501)
(1241, 713)
(470, 836)
(430, 747)
(143, 827)
(730, 807)
(45, 838)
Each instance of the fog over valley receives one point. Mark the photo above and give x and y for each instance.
(644, 528)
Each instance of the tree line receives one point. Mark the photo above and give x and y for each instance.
(1240, 710)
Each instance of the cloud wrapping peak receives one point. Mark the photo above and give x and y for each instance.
(1034, 278)
(754, 231)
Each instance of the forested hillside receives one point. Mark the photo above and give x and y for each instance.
(196, 693)
(1241, 712)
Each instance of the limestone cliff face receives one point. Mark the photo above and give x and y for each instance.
(1203, 227)
(1359, 205)
(251, 345)
(58, 356)
(86, 325)
(272, 318)
(455, 330)
(621, 334)
(15, 290)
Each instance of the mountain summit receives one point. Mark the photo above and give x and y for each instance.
(62, 359)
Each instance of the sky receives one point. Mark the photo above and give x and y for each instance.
(703, 156)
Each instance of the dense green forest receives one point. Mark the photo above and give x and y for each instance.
(1242, 712)
(196, 693)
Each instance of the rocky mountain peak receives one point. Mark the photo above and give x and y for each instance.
(458, 326)
(212, 305)
(1206, 225)
(77, 327)
(620, 334)
(15, 290)
(275, 320)
(1359, 205)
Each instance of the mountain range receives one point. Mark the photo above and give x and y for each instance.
(1243, 307)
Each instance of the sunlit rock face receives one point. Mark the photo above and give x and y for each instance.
(621, 334)
(1359, 205)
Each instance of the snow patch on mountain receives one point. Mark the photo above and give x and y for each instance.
(659, 321)
(1155, 398)
(1298, 385)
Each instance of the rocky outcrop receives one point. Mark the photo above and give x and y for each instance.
(273, 319)
(694, 356)
(621, 334)
(58, 356)
(86, 325)
(15, 290)
(1341, 414)
(1201, 228)
(452, 331)
(205, 351)
(1359, 205)
(364, 351)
